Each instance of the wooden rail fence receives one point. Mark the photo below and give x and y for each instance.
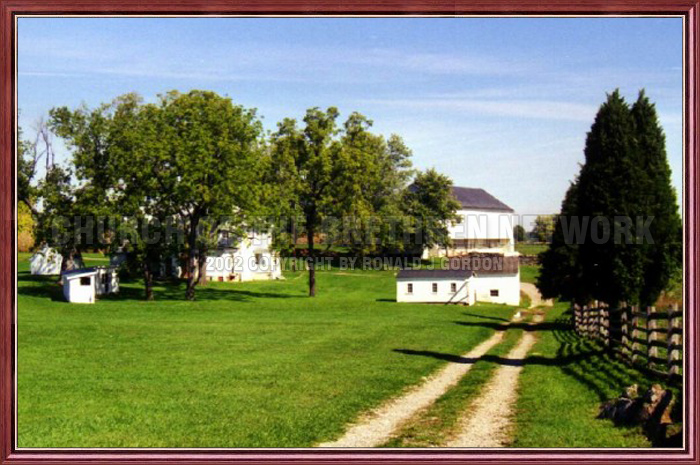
(646, 338)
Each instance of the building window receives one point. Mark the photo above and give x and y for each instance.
(85, 281)
(453, 287)
(494, 292)
(410, 288)
(434, 287)
(258, 258)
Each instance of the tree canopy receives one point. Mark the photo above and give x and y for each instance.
(620, 233)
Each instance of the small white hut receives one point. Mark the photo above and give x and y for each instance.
(46, 261)
(82, 286)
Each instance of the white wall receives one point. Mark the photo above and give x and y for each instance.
(475, 225)
(77, 293)
(106, 281)
(242, 264)
(47, 261)
(482, 224)
(508, 287)
(423, 292)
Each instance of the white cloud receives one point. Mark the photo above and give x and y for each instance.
(539, 109)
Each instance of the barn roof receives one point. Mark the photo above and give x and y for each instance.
(78, 272)
(486, 263)
(478, 199)
(434, 274)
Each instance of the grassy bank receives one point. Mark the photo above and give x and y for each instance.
(562, 385)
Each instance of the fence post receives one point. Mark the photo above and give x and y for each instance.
(606, 326)
(624, 327)
(595, 321)
(635, 332)
(652, 350)
(674, 341)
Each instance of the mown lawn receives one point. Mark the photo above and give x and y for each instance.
(527, 248)
(561, 387)
(246, 365)
(529, 273)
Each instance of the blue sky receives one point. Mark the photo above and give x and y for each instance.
(498, 103)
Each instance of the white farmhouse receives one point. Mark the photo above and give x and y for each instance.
(486, 225)
(82, 286)
(250, 258)
(482, 245)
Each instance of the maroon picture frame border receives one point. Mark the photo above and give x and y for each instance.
(10, 8)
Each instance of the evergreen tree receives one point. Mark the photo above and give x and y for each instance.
(664, 256)
(625, 182)
(609, 195)
(561, 273)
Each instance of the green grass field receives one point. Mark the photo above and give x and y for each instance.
(529, 273)
(563, 383)
(246, 365)
(527, 248)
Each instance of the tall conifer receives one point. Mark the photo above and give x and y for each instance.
(662, 257)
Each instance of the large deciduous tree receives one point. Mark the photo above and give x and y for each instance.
(370, 186)
(432, 207)
(306, 163)
(206, 162)
(84, 210)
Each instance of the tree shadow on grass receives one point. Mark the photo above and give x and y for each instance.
(587, 361)
(546, 326)
(486, 317)
(48, 287)
(591, 364)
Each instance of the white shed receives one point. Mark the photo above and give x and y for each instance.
(46, 261)
(79, 286)
(483, 277)
(82, 286)
(435, 286)
(107, 280)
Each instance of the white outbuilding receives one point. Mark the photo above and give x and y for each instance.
(435, 286)
(82, 286)
(46, 261)
(475, 277)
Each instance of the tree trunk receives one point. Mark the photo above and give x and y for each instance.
(148, 280)
(312, 264)
(202, 266)
(67, 262)
(191, 261)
